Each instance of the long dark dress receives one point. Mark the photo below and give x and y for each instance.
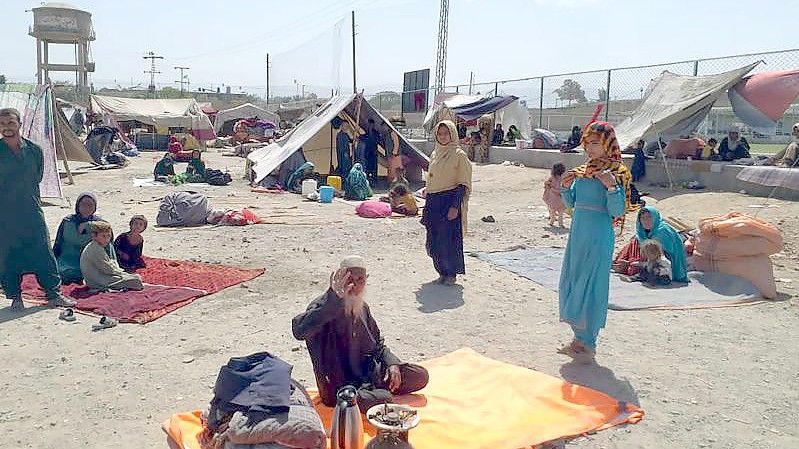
(445, 237)
(129, 255)
(639, 165)
(25, 241)
(343, 143)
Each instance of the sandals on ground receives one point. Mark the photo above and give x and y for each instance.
(105, 323)
(67, 315)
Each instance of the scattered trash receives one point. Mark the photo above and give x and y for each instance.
(489, 219)
(188, 360)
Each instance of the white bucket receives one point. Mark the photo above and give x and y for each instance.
(308, 187)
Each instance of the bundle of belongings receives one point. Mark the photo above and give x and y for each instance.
(217, 177)
(684, 148)
(253, 129)
(179, 209)
(740, 245)
(258, 405)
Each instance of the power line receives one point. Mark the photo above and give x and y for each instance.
(152, 57)
(184, 79)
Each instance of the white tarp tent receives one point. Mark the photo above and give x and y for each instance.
(45, 125)
(316, 138)
(506, 112)
(246, 110)
(160, 113)
(675, 105)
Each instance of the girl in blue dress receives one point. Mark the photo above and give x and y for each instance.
(599, 193)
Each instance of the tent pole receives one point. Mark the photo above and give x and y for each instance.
(60, 145)
(330, 169)
(354, 84)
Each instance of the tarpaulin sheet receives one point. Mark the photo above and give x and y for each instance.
(168, 113)
(760, 100)
(479, 108)
(672, 101)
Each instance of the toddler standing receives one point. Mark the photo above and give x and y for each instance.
(552, 194)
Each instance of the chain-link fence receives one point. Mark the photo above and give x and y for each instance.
(559, 102)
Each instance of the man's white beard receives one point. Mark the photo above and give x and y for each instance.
(353, 304)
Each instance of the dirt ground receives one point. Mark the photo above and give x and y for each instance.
(719, 378)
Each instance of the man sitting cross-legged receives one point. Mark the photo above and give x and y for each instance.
(345, 345)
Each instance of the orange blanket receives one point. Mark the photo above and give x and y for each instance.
(478, 403)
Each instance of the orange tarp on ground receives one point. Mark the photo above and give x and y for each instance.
(473, 402)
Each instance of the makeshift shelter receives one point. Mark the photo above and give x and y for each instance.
(226, 118)
(316, 138)
(761, 100)
(162, 114)
(45, 125)
(507, 110)
(676, 105)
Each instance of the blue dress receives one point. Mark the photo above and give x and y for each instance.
(585, 275)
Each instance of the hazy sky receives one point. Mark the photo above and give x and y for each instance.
(226, 42)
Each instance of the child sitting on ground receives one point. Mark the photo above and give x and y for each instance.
(709, 150)
(551, 195)
(402, 201)
(655, 268)
(129, 245)
(101, 272)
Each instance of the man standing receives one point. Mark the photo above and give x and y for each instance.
(345, 345)
(24, 240)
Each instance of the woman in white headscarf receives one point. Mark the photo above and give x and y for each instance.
(449, 183)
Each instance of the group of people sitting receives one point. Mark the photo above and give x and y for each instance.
(86, 252)
(164, 170)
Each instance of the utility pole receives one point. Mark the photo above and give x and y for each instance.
(354, 83)
(471, 82)
(268, 66)
(441, 53)
(152, 57)
(182, 78)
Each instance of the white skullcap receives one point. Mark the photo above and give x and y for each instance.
(353, 262)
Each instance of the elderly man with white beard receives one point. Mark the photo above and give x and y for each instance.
(345, 345)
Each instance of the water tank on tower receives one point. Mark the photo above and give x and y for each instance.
(62, 24)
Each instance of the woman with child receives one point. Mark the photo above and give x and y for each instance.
(650, 226)
(74, 233)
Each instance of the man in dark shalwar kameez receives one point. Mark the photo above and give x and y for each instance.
(24, 240)
(346, 347)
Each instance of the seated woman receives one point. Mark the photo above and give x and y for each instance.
(734, 146)
(100, 270)
(357, 185)
(74, 233)
(513, 134)
(164, 168)
(574, 139)
(196, 167)
(650, 226)
(497, 135)
(175, 147)
(303, 172)
(402, 201)
(788, 156)
(129, 245)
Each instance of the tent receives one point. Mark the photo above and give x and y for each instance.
(226, 118)
(675, 105)
(761, 100)
(45, 125)
(507, 109)
(159, 113)
(316, 137)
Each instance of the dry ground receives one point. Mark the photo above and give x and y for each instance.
(722, 378)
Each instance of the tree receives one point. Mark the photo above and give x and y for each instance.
(571, 91)
(602, 94)
(2, 79)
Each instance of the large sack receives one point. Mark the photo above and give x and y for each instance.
(729, 248)
(736, 224)
(756, 269)
(373, 209)
(183, 209)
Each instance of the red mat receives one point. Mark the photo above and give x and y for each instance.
(169, 285)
